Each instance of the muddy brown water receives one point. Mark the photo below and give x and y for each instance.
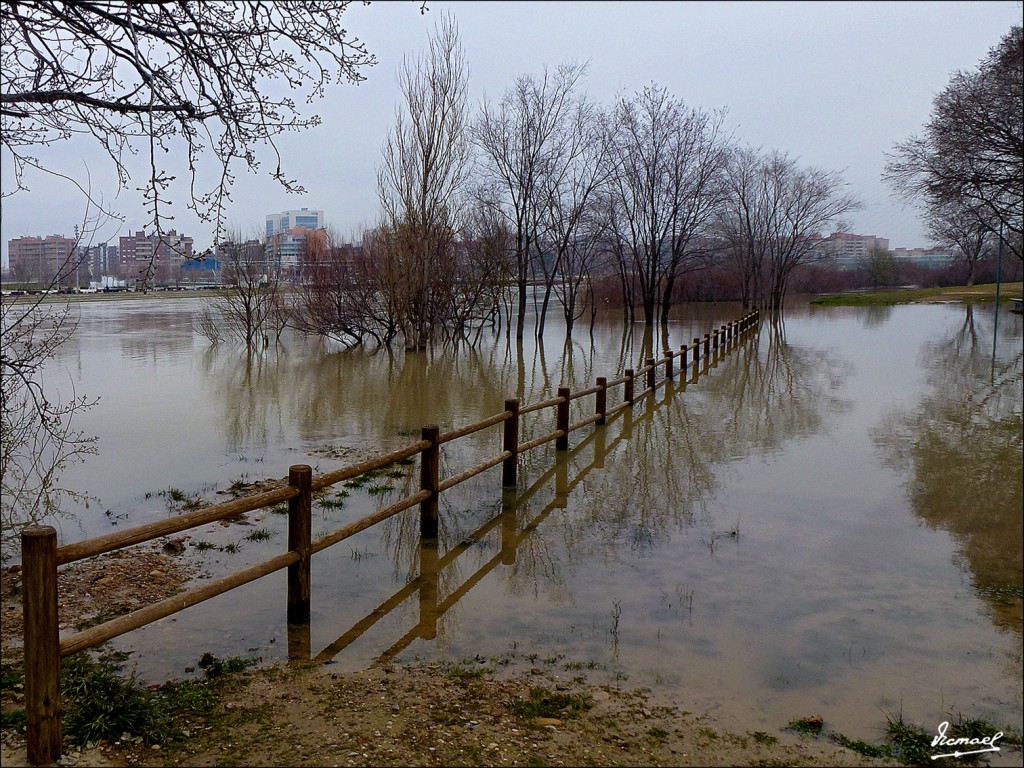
(827, 521)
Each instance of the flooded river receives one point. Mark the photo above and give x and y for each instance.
(827, 521)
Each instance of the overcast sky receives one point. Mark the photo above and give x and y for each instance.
(834, 84)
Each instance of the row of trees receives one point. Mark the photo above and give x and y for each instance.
(546, 188)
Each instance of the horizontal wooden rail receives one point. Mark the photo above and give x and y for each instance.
(69, 553)
(363, 523)
(93, 636)
(346, 473)
(585, 422)
(454, 480)
(537, 441)
(470, 429)
(620, 407)
(585, 392)
(616, 382)
(538, 406)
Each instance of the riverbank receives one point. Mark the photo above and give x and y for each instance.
(975, 293)
(515, 711)
(476, 712)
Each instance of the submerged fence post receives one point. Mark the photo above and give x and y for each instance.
(707, 345)
(300, 514)
(562, 420)
(683, 351)
(696, 351)
(652, 374)
(601, 399)
(669, 372)
(42, 643)
(627, 391)
(430, 464)
(510, 442)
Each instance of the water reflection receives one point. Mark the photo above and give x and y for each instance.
(667, 456)
(961, 451)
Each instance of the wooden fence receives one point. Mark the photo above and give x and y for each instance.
(41, 556)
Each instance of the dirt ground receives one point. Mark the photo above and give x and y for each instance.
(422, 716)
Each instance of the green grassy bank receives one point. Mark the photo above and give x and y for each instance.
(974, 293)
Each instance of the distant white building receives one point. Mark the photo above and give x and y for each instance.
(278, 223)
(287, 233)
(850, 251)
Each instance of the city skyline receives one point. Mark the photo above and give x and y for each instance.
(836, 85)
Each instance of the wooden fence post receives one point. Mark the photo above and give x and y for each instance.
(510, 442)
(562, 420)
(601, 399)
(627, 390)
(714, 339)
(41, 636)
(707, 345)
(669, 371)
(652, 374)
(300, 515)
(683, 352)
(696, 351)
(430, 465)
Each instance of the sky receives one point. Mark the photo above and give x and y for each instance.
(834, 84)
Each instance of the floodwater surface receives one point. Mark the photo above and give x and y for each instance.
(826, 521)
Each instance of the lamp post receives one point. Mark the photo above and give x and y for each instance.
(995, 325)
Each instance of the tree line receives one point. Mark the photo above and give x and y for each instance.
(544, 188)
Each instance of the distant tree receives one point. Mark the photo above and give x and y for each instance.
(421, 182)
(250, 308)
(774, 210)
(523, 141)
(972, 151)
(964, 229)
(666, 159)
(880, 266)
(187, 79)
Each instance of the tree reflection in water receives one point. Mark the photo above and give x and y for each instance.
(961, 452)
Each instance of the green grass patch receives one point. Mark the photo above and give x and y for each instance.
(13, 719)
(377, 490)
(260, 534)
(976, 293)
(545, 703)
(806, 726)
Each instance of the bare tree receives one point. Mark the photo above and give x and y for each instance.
(771, 217)
(186, 79)
(971, 153)
(38, 439)
(521, 140)
(251, 306)
(420, 181)
(964, 229)
(339, 295)
(666, 161)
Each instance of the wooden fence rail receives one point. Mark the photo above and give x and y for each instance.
(41, 556)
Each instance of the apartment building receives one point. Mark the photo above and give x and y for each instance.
(41, 259)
